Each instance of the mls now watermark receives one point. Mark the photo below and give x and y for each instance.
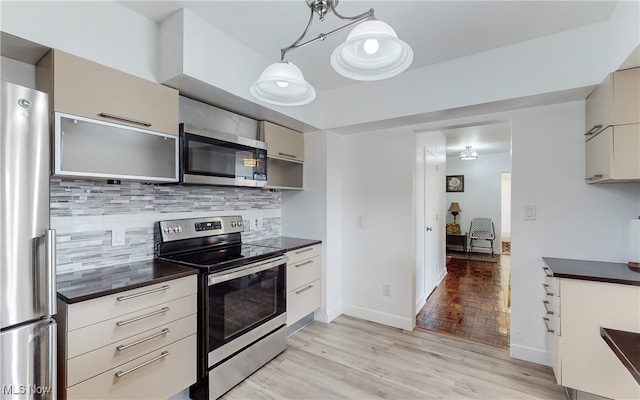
(25, 390)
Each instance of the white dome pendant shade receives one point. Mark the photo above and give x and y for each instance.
(282, 84)
(372, 52)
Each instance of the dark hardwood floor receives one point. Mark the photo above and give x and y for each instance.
(471, 302)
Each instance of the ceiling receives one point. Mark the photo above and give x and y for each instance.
(436, 30)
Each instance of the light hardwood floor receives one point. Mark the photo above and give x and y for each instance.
(356, 359)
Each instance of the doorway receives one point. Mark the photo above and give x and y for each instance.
(472, 301)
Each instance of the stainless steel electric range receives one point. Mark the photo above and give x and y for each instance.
(241, 298)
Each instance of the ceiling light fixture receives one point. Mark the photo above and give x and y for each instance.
(468, 154)
(371, 52)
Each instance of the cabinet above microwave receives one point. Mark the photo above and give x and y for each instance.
(93, 149)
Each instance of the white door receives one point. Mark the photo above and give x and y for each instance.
(432, 195)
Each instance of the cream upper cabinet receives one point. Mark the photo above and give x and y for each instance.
(616, 101)
(285, 156)
(613, 155)
(282, 142)
(84, 88)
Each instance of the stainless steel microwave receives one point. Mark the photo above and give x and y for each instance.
(215, 158)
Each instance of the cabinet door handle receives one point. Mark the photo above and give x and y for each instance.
(593, 178)
(546, 324)
(132, 296)
(304, 250)
(545, 286)
(593, 130)
(136, 319)
(162, 355)
(303, 264)
(125, 119)
(288, 155)
(548, 272)
(546, 307)
(304, 290)
(137, 342)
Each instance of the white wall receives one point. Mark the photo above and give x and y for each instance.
(481, 196)
(377, 188)
(505, 207)
(102, 31)
(18, 72)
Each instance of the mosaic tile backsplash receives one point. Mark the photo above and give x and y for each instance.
(84, 214)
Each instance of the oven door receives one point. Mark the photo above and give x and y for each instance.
(220, 159)
(245, 304)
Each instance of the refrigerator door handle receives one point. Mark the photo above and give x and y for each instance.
(50, 269)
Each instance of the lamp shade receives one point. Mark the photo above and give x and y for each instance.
(455, 207)
(372, 52)
(282, 84)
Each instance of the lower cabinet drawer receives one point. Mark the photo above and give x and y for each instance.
(95, 362)
(302, 301)
(303, 271)
(157, 375)
(91, 337)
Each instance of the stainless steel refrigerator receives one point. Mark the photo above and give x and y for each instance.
(27, 248)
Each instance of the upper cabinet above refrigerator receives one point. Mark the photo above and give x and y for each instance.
(108, 124)
(87, 89)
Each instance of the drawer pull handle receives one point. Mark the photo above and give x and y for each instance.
(162, 355)
(593, 130)
(304, 250)
(304, 290)
(125, 119)
(137, 342)
(133, 296)
(545, 286)
(546, 307)
(288, 155)
(548, 272)
(136, 319)
(303, 264)
(546, 324)
(593, 178)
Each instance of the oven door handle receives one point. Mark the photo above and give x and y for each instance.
(246, 270)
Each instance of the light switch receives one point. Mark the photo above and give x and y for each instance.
(530, 213)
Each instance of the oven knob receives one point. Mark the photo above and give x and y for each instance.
(178, 229)
(233, 224)
(167, 230)
(239, 223)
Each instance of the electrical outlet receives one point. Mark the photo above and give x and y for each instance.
(117, 237)
(386, 290)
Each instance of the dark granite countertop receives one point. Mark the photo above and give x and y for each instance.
(74, 287)
(286, 243)
(626, 345)
(598, 271)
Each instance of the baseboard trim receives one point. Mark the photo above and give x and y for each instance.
(530, 354)
(376, 316)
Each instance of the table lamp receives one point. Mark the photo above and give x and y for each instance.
(454, 209)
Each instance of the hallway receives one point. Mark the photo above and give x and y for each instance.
(471, 302)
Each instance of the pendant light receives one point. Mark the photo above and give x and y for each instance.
(468, 154)
(372, 51)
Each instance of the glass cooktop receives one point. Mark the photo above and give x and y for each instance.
(221, 258)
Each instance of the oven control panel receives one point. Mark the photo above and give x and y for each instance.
(179, 229)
